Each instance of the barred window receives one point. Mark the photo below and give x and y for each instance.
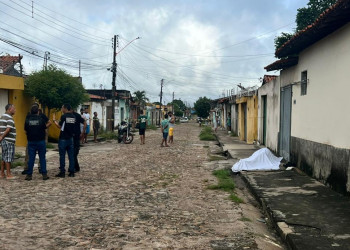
(304, 82)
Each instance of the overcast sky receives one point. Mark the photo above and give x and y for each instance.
(199, 47)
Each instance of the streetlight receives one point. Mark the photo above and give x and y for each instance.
(114, 70)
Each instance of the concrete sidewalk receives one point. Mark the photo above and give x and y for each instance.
(307, 214)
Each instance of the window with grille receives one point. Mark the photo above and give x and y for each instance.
(303, 82)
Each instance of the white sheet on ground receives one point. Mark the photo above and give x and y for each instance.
(262, 159)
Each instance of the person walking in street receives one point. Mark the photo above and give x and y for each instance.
(171, 127)
(35, 126)
(88, 121)
(143, 124)
(96, 125)
(79, 121)
(65, 141)
(165, 130)
(7, 140)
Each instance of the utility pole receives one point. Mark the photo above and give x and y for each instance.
(46, 57)
(79, 68)
(173, 104)
(161, 97)
(114, 71)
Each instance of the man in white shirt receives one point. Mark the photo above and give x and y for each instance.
(86, 117)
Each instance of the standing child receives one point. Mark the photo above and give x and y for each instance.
(165, 131)
(171, 127)
(142, 120)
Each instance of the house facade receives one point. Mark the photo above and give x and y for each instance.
(247, 102)
(101, 102)
(12, 91)
(269, 112)
(314, 124)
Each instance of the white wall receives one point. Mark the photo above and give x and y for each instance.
(322, 115)
(101, 112)
(272, 92)
(4, 99)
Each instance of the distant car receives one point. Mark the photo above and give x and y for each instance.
(183, 119)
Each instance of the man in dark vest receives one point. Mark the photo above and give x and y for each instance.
(79, 120)
(65, 141)
(35, 125)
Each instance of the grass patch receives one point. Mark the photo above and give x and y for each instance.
(50, 146)
(109, 135)
(207, 134)
(225, 183)
(245, 219)
(17, 164)
(235, 198)
(18, 155)
(216, 158)
(152, 127)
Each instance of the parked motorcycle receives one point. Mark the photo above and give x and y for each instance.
(124, 133)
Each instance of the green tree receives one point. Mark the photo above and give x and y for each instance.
(53, 87)
(280, 40)
(305, 16)
(202, 107)
(140, 97)
(179, 107)
(309, 14)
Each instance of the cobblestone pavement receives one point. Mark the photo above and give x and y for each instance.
(132, 197)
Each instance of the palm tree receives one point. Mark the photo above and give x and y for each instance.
(140, 97)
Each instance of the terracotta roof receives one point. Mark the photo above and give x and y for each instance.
(329, 21)
(268, 78)
(283, 63)
(97, 97)
(6, 62)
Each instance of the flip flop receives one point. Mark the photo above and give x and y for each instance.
(10, 177)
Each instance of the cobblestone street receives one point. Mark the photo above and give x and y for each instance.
(132, 197)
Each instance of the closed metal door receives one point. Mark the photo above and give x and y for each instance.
(245, 121)
(285, 123)
(264, 102)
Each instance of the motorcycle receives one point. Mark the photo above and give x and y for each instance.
(124, 133)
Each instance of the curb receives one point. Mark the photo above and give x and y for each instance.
(282, 228)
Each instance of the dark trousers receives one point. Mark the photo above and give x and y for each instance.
(76, 142)
(63, 147)
(33, 147)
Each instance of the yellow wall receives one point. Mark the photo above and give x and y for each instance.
(54, 132)
(11, 82)
(23, 105)
(252, 118)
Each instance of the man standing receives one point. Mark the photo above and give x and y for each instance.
(143, 124)
(35, 126)
(65, 141)
(86, 116)
(165, 130)
(79, 121)
(7, 140)
(96, 125)
(171, 127)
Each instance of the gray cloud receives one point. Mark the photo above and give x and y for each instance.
(199, 47)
